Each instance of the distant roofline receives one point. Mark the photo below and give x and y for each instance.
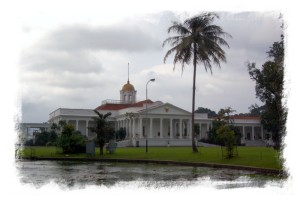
(240, 117)
(126, 105)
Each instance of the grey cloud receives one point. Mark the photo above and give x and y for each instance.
(58, 61)
(63, 79)
(114, 38)
(252, 30)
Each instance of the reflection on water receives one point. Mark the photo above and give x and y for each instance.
(81, 174)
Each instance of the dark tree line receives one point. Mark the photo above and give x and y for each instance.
(269, 89)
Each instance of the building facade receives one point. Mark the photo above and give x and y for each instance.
(160, 123)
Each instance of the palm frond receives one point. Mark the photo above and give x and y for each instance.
(107, 115)
(99, 114)
(197, 35)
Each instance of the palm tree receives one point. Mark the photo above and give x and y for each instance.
(197, 41)
(101, 128)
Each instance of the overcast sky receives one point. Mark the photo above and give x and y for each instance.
(78, 60)
(74, 54)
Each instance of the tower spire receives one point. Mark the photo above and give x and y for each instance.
(128, 74)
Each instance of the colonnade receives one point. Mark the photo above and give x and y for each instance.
(252, 132)
(156, 127)
(160, 127)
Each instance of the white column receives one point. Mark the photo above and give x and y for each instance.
(252, 136)
(180, 128)
(190, 131)
(141, 127)
(171, 128)
(207, 128)
(87, 128)
(77, 121)
(161, 127)
(244, 134)
(151, 129)
(129, 128)
(133, 128)
(125, 126)
(200, 131)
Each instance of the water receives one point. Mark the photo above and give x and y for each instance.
(82, 174)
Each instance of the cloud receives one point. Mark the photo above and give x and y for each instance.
(119, 37)
(58, 61)
(252, 30)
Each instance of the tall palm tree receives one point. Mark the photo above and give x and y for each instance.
(197, 41)
(101, 128)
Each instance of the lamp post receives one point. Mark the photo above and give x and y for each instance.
(151, 80)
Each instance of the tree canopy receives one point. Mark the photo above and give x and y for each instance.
(209, 112)
(269, 89)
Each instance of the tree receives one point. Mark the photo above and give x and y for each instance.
(225, 114)
(198, 41)
(102, 129)
(224, 119)
(256, 110)
(45, 138)
(41, 138)
(71, 141)
(227, 135)
(269, 89)
(58, 127)
(209, 112)
(121, 134)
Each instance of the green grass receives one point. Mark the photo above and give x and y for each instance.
(247, 156)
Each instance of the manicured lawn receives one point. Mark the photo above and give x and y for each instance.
(247, 156)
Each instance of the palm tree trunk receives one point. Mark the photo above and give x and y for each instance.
(195, 150)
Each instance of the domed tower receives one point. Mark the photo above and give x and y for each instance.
(128, 93)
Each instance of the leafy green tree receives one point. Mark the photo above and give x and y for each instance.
(41, 139)
(227, 135)
(197, 41)
(121, 134)
(45, 138)
(54, 127)
(102, 128)
(225, 114)
(71, 141)
(256, 110)
(224, 119)
(269, 89)
(58, 127)
(210, 113)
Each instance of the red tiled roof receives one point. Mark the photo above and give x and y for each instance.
(242, 117)
(140, 103)
(110, 106)
(246, 117)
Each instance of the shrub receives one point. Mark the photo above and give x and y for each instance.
(71, 141)
(227, 136)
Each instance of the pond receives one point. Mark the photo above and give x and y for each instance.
(82, 174)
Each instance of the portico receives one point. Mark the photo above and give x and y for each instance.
(160, 122)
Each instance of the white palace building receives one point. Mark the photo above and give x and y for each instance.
(161, 123)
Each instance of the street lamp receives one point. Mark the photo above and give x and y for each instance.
(151, 80)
